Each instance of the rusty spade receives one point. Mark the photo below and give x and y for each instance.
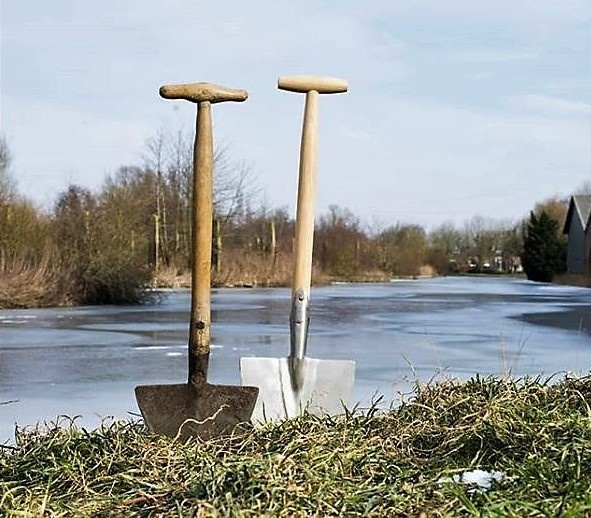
(198, 408)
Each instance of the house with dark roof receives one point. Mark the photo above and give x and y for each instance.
(577, 228)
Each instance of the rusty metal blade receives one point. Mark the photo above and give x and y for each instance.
(204, 410)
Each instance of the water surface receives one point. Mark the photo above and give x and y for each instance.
(86, 361)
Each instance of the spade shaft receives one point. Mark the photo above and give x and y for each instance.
(200, 324)
(304, 231)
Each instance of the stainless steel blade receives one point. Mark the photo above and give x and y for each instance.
(327, 386)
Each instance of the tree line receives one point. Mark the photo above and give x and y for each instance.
(132, 234)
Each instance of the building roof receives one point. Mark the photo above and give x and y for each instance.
(582, 204)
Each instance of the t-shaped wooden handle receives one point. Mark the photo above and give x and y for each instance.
(305, 84)
(199, 92)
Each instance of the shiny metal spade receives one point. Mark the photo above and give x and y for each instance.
(289, 386)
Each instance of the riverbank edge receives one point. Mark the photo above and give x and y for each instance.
(163, 283)
(183, 281)
(486, 446)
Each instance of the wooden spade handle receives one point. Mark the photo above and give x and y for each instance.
(303, 84)
(200, 327)
(204, 95)
(199, 92)
(304, 231)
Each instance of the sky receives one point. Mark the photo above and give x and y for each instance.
(455, 108)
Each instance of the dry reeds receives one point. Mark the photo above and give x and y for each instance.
(38, 284)
(252, 268)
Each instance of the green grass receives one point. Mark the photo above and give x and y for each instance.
(380, 463)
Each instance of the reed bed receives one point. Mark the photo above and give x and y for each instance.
(33, 284)
(406, 461)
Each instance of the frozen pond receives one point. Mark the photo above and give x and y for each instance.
(87, 361)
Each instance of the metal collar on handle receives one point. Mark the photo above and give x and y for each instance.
(299, 321)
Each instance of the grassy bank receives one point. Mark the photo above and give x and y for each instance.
(402, 462)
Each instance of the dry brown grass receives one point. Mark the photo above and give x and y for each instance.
(25, 285)
(252, 269)
(240, 268)
(171, 277)
(245, 269)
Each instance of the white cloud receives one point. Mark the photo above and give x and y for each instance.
(355, 133)
(524, 14)
(552, 105)
(482, 56)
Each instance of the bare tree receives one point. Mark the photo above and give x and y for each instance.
(170, 156)
(154, 159)
(234, 186)
(556, 207)
(7, 187)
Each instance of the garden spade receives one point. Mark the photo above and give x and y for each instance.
(292, 385)
(199, 408)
